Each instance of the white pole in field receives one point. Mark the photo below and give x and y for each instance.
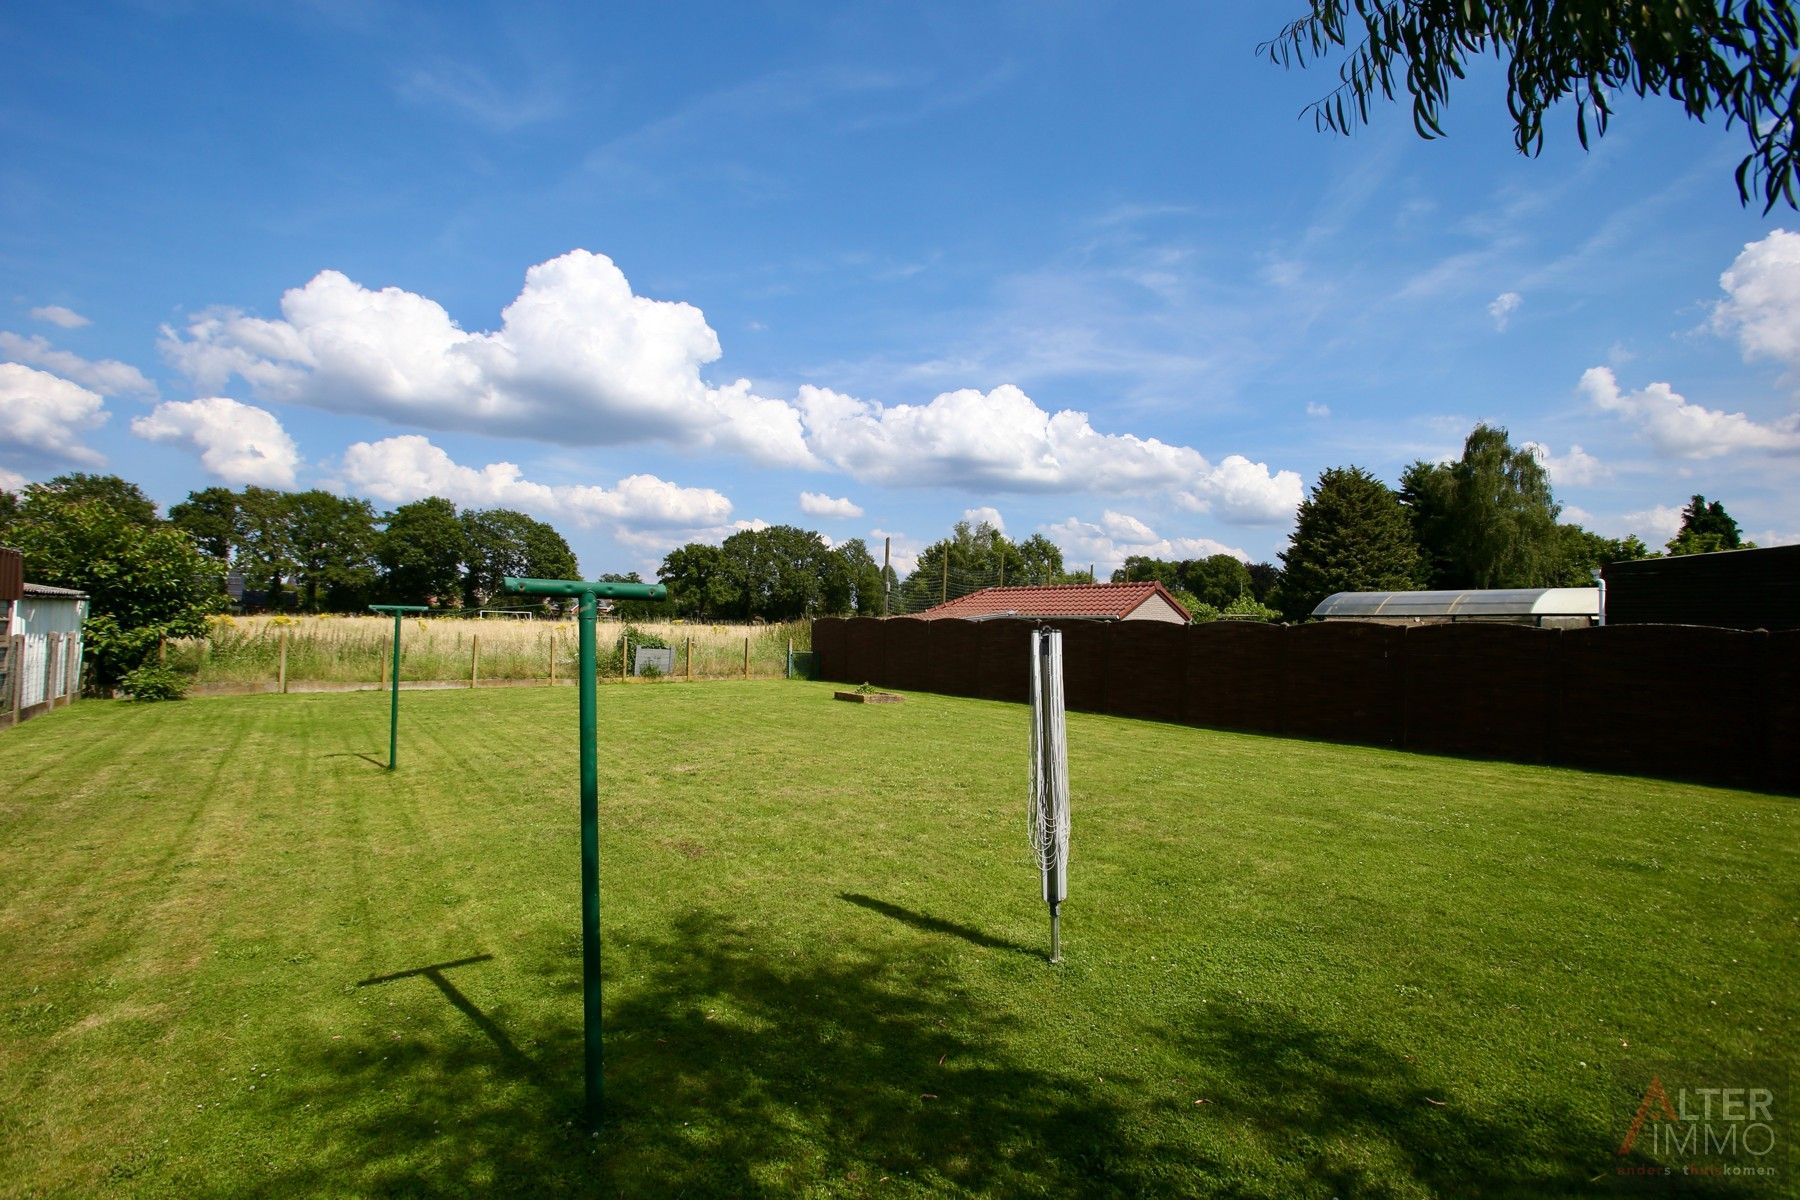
(1049, 816)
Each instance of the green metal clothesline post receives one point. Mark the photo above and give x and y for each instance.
(394, 703)
(586, 594)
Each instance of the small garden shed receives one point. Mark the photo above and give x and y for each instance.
(40, 652)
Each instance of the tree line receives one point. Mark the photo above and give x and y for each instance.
(1487, 519)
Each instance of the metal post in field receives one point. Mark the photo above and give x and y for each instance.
(746, 658)
(474, 658)
(394, 701)
(281, 663)
(624, 655)
(586, 594)
(553, 658)
(690, 658)
(790, 659)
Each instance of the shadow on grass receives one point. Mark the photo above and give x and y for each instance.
(929, 924)
(731, 1071)
(739, 1069)
(1349, 1117)
(369, 758)
(462, 1004)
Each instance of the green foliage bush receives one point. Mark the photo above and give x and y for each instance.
(150, 683)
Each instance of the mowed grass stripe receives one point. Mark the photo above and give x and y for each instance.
(1385, 974)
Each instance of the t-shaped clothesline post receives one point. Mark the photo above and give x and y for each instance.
(586, 594)
(394, 704)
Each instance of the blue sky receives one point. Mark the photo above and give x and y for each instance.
(654, 272)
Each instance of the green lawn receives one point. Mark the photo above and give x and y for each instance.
(1293, 969)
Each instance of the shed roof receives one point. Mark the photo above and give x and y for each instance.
(1110, 601)
(1475, 602)
(45, 591)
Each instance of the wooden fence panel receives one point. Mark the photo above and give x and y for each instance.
(1085, 648)
(1781, 683)
(1234, 676)
(1670, 700)
(911, 649)
(865, 651)
(1488, 690)
(1004, 671)
(1342, 682)
(1146, 670)
(955, 645)
(829, 649)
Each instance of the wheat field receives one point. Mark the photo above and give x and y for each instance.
(356, 649)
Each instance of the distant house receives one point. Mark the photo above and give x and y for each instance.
(1546, 608)
(1086, 601)
(40, 643)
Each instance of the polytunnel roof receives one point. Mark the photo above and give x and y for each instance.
(1478, 602)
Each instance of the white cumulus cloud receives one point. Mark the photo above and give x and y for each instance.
(1577, 468)
(987, 515)
(1684, 430)
(42, 413)
(11, 481)
(1762, 299)
(1108, 542)
(578, 359)
(817, 504)
(107, 376)
(239, 443)
(62, 318)
(1502, 307)
(1654, 525)
(411, 467)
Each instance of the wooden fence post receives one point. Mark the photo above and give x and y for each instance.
(690, 658)
(746, 658)
(71, 666)
(474, 658)
(16, 676)
(281, 664)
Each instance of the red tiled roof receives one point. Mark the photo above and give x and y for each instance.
(1114, 600)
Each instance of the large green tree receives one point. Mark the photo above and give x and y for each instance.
(853, 585)
(145, 579)
(421, 552)
(777, 574)
(695, 577)
(1707, 528)
(498, 542)
(1734, 59)
(331, 542)
(210, 516)
(1488, 519)
(1351, 534)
